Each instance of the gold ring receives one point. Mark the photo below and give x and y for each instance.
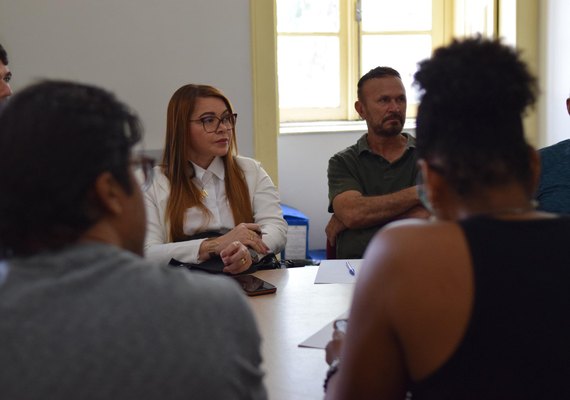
(242, 261)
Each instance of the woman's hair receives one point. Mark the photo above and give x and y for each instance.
(469, 123)
(184, 193)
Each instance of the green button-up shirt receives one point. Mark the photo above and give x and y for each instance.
(358, 168)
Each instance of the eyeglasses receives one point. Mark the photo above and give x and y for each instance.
(6, 78)
(211, 123)
(143, 167)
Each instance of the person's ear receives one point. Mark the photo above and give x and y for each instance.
(429, 178)
(359, 109)
(109, 193)
(436, 189)
(568, 105)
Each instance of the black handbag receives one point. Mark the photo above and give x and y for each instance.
(215, 265)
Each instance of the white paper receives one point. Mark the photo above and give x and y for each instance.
(336, 271)
(320, 339)
(296, 246)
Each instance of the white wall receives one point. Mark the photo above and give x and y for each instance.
(303, 162)
(143, 50)
(555, 82)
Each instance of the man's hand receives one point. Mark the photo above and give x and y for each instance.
(333, 228)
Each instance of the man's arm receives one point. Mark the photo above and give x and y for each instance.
(333, 228)
(357, 211)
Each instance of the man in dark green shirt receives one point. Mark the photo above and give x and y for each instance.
(373, 181)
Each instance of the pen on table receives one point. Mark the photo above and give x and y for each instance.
(351, 269)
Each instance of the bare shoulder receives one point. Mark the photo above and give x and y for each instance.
(415, 251)
(411, 272)
(410, 237)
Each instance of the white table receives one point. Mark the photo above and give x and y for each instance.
(298, 309)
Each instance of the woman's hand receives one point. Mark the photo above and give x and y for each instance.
(334, 346)
(247, 234)
(236, 258)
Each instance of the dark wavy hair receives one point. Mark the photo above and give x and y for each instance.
(474, 93)
(56, 138)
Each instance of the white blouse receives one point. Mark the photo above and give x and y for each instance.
(265, 205)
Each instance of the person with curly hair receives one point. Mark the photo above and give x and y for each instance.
(472, 304)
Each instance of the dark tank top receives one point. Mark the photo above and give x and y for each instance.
(517, 343)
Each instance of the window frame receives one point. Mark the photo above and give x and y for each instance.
(350, 50)
(266, 122)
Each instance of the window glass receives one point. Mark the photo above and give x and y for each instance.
(308, 71)
(403, 15)
(308, 16)
(401, 52)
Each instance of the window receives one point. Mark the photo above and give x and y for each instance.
(324, 46)
(517, 21)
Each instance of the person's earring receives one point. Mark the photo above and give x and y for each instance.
(422, 195)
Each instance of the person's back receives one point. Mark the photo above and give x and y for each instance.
(95, 322)
(515, 345)
(84, 316)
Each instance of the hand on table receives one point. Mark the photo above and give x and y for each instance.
(236, 258)
(247, 234)
(334, 347)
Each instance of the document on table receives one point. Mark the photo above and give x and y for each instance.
(336, 271)
(320, 339)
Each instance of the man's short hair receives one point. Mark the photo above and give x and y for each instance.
(56, 138)
(378, 72)
(3, 55)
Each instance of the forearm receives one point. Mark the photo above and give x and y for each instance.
(161, 253)
(358, 211)
(418, 211)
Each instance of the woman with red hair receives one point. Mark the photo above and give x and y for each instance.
(205, 200)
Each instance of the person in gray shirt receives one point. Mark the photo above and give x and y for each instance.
(84, 316)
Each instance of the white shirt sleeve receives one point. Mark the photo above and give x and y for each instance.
(266, 205)
(157, 246)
